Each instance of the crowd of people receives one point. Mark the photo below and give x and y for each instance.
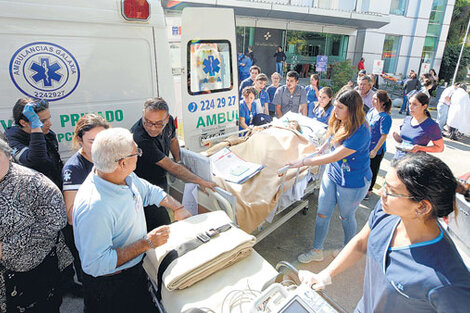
(96, 215)
(419, 189)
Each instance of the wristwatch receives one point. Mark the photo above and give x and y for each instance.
(146, 237)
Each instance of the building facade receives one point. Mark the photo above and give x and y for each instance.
(406, 34)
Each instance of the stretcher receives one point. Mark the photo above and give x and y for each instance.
(296, 185)
(250, 284)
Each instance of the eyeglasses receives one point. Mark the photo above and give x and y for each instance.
(387, 194)
(139, 153)
(157, 124)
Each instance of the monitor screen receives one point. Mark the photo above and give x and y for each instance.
(294, 307)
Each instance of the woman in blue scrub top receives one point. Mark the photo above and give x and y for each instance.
(322, 110)
(418, 129)
(312, 91)
(247, 107)
(411, 263)
(347, 176)
(380, 122)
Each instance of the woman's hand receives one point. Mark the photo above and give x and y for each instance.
(416, 148)
(397, 137)
(296, 164)
(372, 154)
(315, 281)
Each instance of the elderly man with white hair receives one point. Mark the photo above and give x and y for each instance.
(110, 229)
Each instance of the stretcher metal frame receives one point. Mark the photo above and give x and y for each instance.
(223, 200)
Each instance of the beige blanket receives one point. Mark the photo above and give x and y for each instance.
(272, 147)
(222, 251)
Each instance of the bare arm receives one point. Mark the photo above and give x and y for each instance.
(351, 253)
(266, 108)
(69, 197)
(184, 174)
(157, 236)
(438, 146)
(243, 123)
(278, 111)
(303, 109)
(178, 209)
(379, 144)
(175, 149)
(336, 155)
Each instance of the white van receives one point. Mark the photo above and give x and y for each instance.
(108, 57)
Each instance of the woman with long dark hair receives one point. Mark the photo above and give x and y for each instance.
(418, 129)
(312, 91)
(347, 176)
(411, 263)
(322, 110)
(380, 122)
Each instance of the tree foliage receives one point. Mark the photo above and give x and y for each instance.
(449, 61)
(457, 29)
(342, 72)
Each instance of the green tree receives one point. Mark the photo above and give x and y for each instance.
(342, 72)
(457, 28)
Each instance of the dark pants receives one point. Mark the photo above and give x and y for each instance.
(156, 216)
(375, 166)
(34, 291)
(70, 242)
(126, 292)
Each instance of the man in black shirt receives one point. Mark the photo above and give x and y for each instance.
(155, 134)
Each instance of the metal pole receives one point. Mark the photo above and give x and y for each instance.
(461, 52)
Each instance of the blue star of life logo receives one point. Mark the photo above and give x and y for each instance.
(46, 72)
(211, 65)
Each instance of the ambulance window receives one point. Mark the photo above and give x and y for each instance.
(209, 66)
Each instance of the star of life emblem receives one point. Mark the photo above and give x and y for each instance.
(44, 70)
(67, 175)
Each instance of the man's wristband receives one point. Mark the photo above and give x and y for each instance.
(181, 207)
(146, 237)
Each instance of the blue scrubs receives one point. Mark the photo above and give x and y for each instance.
(244, 112)
(428, 276)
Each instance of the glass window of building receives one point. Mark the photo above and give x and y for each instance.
(303, 47)
(398, 7)
(390, 53)
(434, 31)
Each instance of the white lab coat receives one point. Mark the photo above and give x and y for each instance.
(459, 111)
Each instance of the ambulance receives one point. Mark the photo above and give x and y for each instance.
(109, 56)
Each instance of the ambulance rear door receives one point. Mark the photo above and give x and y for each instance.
(209, 84)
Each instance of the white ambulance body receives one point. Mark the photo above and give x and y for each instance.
(102, 56)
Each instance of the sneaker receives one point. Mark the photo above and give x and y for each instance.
(367, 197)
(311, 256)
(399, 112)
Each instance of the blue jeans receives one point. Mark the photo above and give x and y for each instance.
(442, 112)
(404, 106)
(279, 68)
(347, 199)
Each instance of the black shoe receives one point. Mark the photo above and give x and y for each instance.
(399, 112)
(407, 114)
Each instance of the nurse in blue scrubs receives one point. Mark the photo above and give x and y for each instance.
(247, 107)
(347, 175)
(312, 91)
(411, 263)
(323, 108)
